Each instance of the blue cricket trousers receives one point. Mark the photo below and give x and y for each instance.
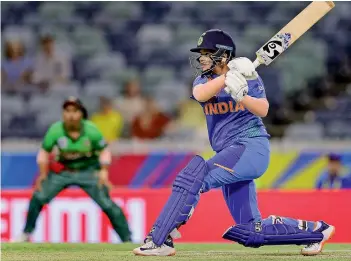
(234, 169)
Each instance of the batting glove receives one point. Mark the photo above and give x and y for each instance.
(244, 66)
(236, 85)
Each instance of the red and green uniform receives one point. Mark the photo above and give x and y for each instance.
(75, 154)
(79, 159)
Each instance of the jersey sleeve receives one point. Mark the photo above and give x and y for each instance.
(197, 81)
(256, 88)
(97, 140)
(50, 138)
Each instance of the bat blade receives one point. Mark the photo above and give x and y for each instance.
(292, 31)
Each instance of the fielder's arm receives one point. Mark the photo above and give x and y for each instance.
(105, 161)
(43, 156)
(105, 157)
(43, 162)
(100, 145)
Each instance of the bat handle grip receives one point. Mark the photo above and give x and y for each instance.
(256, 63)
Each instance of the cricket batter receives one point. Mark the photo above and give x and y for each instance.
(233, 99)
(82, 160)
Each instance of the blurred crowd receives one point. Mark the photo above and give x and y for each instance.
(128, 64)
(130, 115)
(134, 115)
(21, 72)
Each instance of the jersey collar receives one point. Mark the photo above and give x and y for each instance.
(82, 131)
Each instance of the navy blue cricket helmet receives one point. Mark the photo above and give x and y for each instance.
(214, 40)
(219, 43)
(334, 157)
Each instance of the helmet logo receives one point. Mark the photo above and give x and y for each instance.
(199, 42)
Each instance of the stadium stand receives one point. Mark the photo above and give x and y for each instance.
(113, 42)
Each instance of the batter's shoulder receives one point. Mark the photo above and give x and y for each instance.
(256, 80)
(259, 79)
(200, 80)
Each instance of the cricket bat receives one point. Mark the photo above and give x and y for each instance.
(292, 31)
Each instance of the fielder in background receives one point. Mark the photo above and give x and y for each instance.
(335, 176)
(233, 99)
(82, 159)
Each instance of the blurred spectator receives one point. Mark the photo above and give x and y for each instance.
(335, 176)
(151, 123)
(190, 120)
(51, 65)
(132, 103)
(16, 68)
(108, 120)
(91, 44)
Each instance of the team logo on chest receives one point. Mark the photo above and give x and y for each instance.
(62, 143)
(222, 107)
(102, 143)
(87, 143)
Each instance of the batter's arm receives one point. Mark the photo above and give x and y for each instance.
(257, 106)
(205, 91)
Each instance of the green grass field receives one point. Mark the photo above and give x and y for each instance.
(186, 252)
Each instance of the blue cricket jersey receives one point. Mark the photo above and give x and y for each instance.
(228, 121)
(326, 181)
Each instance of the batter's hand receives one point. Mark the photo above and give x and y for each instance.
(236, 85)
(38, 182)
(244, 66)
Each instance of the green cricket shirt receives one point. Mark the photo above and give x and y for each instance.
(77, 154)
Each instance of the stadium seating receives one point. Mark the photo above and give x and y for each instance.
(111, 42)
(12, 105)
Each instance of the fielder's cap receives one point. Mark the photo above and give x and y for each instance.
(334, 157)
(72, 101)
(215, 39)
(77, 103)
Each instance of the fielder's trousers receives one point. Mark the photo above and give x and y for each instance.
(86, 180)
